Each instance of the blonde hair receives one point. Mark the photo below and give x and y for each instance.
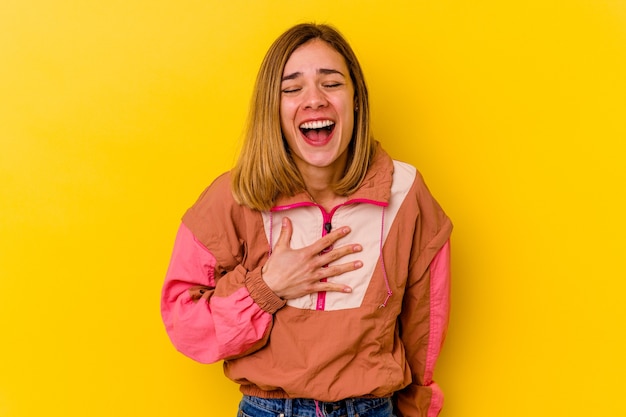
(265, 168)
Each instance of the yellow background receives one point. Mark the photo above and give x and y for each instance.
(115, 114)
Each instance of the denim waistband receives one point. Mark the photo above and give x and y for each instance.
(302, 407)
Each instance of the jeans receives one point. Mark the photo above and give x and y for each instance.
(298, 407)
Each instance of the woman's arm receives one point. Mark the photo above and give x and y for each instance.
(423, 398)
(210, 317)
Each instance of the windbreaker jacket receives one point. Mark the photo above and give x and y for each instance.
(380, 340)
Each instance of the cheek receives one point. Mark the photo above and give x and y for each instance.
(286, 115)
(346, 107)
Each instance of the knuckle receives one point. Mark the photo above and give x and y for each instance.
(333, 271)
(338, 254)
(319, 274)
(311, 265)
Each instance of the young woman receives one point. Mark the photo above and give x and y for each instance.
(318, 268)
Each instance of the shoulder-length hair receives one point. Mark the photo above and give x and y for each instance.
(265, 168)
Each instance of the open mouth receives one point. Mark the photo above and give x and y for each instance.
(317, 131)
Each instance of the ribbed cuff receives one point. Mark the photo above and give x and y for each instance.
(261, 293)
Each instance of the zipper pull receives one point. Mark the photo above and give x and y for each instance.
(328, 227)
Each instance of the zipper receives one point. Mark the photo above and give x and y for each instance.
(326, 229)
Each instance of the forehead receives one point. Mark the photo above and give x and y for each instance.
(314, 55)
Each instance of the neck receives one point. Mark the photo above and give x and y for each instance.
(320, 190)
(322, 193)
(319, 181)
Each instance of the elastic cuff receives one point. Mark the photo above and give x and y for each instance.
(261, 293)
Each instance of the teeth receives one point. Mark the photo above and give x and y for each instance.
(318, 124)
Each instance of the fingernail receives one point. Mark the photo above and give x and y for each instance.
(345, 230)
(358, 264)
(357, 248)
(284, 223)
(347, 289)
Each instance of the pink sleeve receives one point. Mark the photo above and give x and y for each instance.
(230, 323)
(439, 307)
(439, 317)
(431, 306)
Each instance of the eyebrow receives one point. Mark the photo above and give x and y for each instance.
(323, 71)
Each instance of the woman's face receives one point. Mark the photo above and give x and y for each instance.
(317, 108)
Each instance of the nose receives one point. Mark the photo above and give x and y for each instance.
(314, 98)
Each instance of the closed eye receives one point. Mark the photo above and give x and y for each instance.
(291, 90)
